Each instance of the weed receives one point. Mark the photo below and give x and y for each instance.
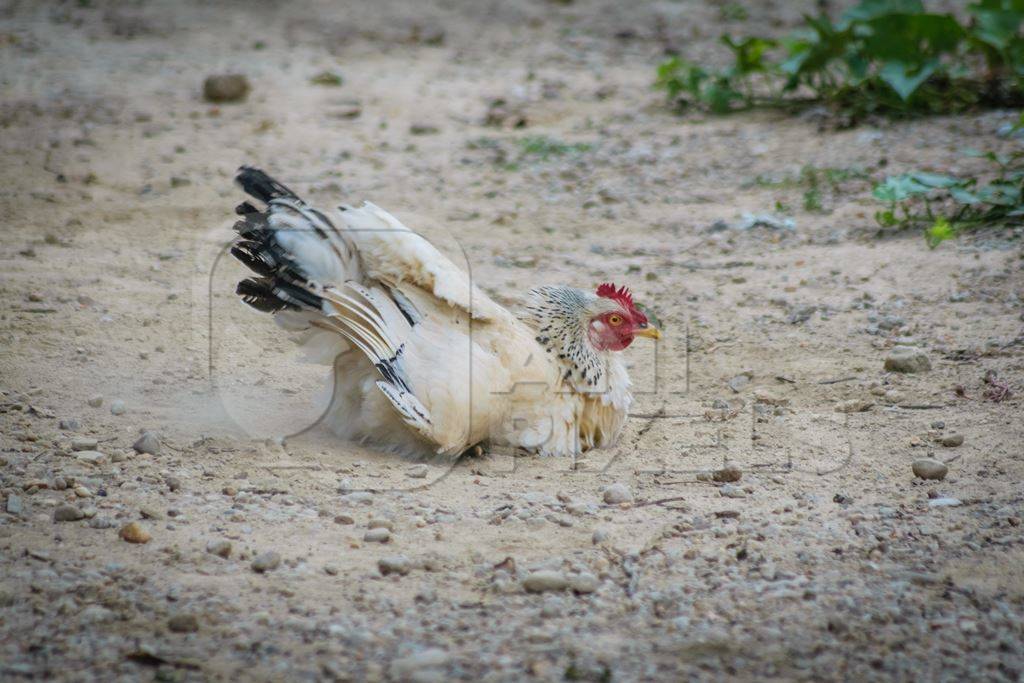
(881, 56)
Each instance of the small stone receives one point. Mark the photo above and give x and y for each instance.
(730, 491)
(584, 583)
(854, 405)
(618, 493)
(173, 483)
(265, 562)
(599, 536)
(330, 570)
(907, 359)
(423, 129)
(229, 491)
(84, 443)
(91, 457)
(394, 564)
(82, 491)
(14, 505)
(133, 532)
(952, 440)
(101, 523)
(70, 424)
(738, 382)
(381, 524)
(939, 424)
(763, 395)
(224, 88)
(117, 407)
(95, 401)
(417, 472)
(945, 502)
(67, 513)
(378, 535)
(183, 623)
(149, 442)
(929, 468)
(545, 580)
(729, 473)
(219, 547)
(344, 519)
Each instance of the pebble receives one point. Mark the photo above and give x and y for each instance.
(618, 493)
(907, 359)
(394, 564)
(417, 472)
(82, 491)
(378, 535)
(762, 395)
(265, 562)
(854, 405)
(149, 442)
(117, 407)
(70, 424)
(95, 401)
(67, 513)
(183, 623)
(224, 88)
(219, 547)
(584, 583)
(151, 513)
(84, 443)
(173, 483)
(944, 502)
(91, 457)
(599, 536)
(729, 473)
(133, 532)
(730, 491)
(101, 523)
(738, 382)
(14, 505)
(929, 468)
(545, 580)
(952, 440)
(344, 519)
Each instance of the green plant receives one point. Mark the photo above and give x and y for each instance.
(944, 205)
(886, 56)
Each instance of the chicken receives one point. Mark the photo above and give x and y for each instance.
(424, 362)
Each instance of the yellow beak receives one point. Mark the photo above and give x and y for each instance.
(650, 331)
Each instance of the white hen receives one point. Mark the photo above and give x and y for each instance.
(424, 361)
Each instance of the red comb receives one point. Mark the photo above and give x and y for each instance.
(622, 295)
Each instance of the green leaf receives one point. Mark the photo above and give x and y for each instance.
(900, 76)
(872, 9)
(939, 232)
(898, 188)
(935, 179)
(964, 196)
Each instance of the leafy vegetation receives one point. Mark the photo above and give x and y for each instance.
(815, 183)
(944, 205)
(885, 56)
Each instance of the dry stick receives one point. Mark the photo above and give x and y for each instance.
(837, 381)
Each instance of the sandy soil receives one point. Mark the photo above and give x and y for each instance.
(827, 560)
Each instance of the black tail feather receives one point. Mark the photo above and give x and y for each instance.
(259, 293)
(261, 186)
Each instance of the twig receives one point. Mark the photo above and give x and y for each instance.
(837, 381)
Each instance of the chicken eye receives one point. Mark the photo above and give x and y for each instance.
(615, 319)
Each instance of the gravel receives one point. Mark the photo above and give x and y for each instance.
(545, 580)
(952, 440)
(183, 623)
(84, 443)
(417, 472)
(149, 443)
(67, 513)
(226, 88)
(377, 535)
(14, 505)
(929, 468)
(727, 474)
(118, 407)
(91, 457)
(95, 401)
(907, 359)
(731, 491)
(219, 547)
(133, 532)
(266, 562)
(618, 493)
(394, 564)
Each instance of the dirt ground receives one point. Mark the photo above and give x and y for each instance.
(828, 560)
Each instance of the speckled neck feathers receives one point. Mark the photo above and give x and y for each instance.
(560, 316)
